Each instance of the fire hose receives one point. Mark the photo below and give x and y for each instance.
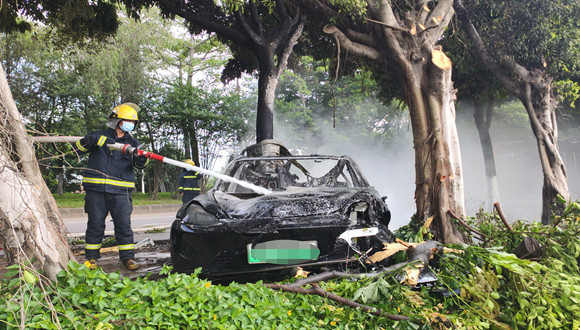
(129, 149)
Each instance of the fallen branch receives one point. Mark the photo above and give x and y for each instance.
(465, 224)
(502, 217)
(316, 290)
(331, 275)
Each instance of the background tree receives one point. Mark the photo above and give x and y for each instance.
(546, 50)
(477, 86)
(399, 39)
(261, 36)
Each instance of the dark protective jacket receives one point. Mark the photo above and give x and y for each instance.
(189, 182)
(109, 171)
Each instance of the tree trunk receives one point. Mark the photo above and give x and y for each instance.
(31, 227)
(483, 123)
(410, 56)
(60, 177)
(266, 93)
(438, 167)
(194, 145)
(541, 107)
(157, 169)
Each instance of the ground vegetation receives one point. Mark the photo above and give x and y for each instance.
(481, 285)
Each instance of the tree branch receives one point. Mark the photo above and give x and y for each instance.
(203, 22)
(315, 290)
(256, 18)
(331, 275)
(285, 54)
(502, 217)
(522, 72)
(384, 12)
(281, 7)
(439, 19)
(255, 37)
(353, 47)
(286, 25)
(404, 29)
(463, 223)
(423, 10)
(481, 50)
(361, 38)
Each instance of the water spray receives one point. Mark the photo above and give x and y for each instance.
(128, 149)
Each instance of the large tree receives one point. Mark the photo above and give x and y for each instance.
(31, 226)
(545, 49)
(261, 35)
(400, 39)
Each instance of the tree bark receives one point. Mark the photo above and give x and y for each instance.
(31, 227)
(60, 177)
(424, 74)
(438, 166)
(541, 107)
(483, 123)
(266, 92)
(534, 89)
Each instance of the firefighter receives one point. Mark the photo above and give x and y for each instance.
(109, 182)
(188, 183)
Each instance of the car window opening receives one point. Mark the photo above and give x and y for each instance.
(282, 174)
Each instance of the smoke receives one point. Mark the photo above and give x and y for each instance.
(390, 168)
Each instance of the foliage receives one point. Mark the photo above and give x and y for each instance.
(93, 299)
(67, 89)
(488, 288)
(540, 35)
(77, 20)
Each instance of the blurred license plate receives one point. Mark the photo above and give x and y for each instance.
(283, 252)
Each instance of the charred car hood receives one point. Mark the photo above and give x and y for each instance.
(289, 204)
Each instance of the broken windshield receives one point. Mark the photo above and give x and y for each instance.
(283, 173)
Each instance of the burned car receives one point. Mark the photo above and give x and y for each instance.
(318, 212)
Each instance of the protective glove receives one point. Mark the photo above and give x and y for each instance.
(91, 140)
(140, 161)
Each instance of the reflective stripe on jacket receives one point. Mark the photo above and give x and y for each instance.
(108, 170)
(188, 181)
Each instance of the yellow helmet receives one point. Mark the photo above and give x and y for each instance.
(190, 162)
(126, 111)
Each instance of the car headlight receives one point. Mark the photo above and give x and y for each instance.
(357, 210)
(196, 215)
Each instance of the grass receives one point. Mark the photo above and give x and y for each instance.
(72, 200)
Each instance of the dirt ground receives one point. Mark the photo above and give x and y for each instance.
(151, 259)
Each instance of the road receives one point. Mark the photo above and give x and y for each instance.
(77, 226)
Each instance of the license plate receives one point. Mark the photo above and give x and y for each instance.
(283, 252)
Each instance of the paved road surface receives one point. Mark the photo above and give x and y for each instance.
(139, 222)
